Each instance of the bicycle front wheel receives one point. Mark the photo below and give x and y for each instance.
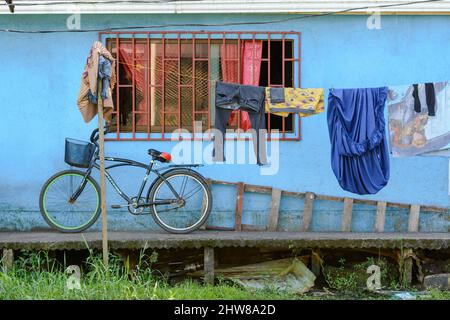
(187, 213)
(64, 215)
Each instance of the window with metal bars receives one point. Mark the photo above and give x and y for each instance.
(166, 79)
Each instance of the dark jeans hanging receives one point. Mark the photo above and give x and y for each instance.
(430, 99)
(230, 97)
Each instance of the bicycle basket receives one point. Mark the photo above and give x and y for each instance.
(78, 153)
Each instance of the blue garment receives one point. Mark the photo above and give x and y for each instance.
(359, 151)
(104, 74)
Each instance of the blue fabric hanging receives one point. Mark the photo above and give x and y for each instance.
(359, 151)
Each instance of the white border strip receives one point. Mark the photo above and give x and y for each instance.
(232, 6)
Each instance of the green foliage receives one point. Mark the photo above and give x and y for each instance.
(340, 278)
(353, 278)
(435, 294)
(37, 275)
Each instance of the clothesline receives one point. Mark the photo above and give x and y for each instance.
(213, 81)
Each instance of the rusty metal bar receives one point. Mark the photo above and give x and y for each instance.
(209, 85)
(147, 86)
(133, 90)
(299, 135)
(179, 83)
(194, 52)
(164, 36)
(163, 82)
(283, 81)
(269, 135)
(117, 88)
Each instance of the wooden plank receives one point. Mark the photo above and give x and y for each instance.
(307, 211)
(225, 183)
(347, 216)
(293, 194)
(209, 265)
(407, 268)
(413, 221)
(266, 189)
(101, 143)
(381, 215)
(329, 198)
(274, 210)
(257, 189)
(239, 206)
(208, 182)
(316, 263)
(217, 228)
(7, 259)
(248, 227)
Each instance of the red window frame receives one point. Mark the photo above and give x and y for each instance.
(162, 36)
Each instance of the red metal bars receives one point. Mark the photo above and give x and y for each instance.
(155, 90)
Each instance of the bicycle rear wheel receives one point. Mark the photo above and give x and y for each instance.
(186, 214)
(63, 215)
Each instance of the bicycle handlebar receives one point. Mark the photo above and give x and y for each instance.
(94, 135)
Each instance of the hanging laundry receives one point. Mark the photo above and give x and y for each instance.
(104, 74)
(230, 97)
(100, 64)
(430, 98)
(305, 102)
(413, 128)
(276, 95)
(359, 151)
(251, 55)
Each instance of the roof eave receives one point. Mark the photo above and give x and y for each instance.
(238, 6)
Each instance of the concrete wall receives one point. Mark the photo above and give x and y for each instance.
(40, 77)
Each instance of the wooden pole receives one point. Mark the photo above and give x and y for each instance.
(101, 143)
(209, 265)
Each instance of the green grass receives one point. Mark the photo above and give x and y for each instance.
(39, 276)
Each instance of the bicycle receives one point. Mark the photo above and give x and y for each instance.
(179, 198)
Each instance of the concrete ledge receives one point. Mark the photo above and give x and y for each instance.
(219, 239)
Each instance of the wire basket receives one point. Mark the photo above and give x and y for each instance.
(79, 153)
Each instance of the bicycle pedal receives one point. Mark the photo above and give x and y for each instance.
(116, 206)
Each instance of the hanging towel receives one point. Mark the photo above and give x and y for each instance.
(359, 152)
(305, 102)
(418, 133)
(87, 96)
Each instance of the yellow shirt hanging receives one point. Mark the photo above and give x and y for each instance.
(305, 102)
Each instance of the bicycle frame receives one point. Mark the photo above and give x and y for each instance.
(121, 162)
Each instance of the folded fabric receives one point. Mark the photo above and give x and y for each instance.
(418, 133)
(87, 96)
(305, 102)
(277, 95)
(104, 74)
(359, 151)
(235, 96)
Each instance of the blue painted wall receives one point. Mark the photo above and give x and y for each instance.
(40, 77)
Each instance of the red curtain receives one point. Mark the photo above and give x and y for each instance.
(250, 67)
(138, 71)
